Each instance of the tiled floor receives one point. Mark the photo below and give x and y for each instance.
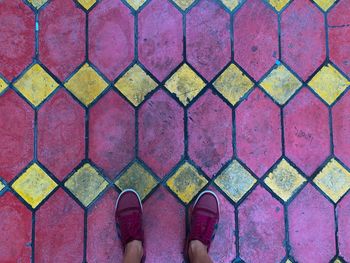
(248, 98)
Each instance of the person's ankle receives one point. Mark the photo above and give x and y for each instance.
(196, 247)
(134, 247)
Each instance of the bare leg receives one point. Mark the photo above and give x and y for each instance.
(198, 252)
(133, 252)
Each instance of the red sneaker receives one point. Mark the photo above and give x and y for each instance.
(204, 218)
(128, 216)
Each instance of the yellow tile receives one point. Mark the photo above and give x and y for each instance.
(34, 185)
(337, 260)
(278, 4)
(235, 181)
(36, 84)
(3, 85)
(324, 4)
(333, 180)
(2, 186)
(135, 84)
(185, 84)
(136, 4)
(138, 178)
(37, 3)
(186, 182)
(231, 4)
(281, 84)
(284, 180)
(86, 84)
(233, 84)
(87, 3)
(288, 261)
(86, 184)
(183, 4)
(329, 83)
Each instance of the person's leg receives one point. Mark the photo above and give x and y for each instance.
(128, 215)
(204, 220)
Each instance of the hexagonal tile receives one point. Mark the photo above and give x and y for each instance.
(36, 84)
(37, 3)
(135, 84)
(343, 216)
(62, 38)
(87, 4)
(86, 84)
(186, 182)
(235, 181)
(281, 84)
(136, 4)
(3, 85)
(138, 178)
(329, 83)
(34, 185)
(232, 4)
(185, 84)
(86, 184)
(334, 180)
(183, 4)
(325, 4)
(284, 180)
(278, 4)
(233, 84)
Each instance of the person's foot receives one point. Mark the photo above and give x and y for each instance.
(204, 220)
(128, 216)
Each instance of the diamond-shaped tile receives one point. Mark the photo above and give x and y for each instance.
(333, 180)
(324, 4)
(231, 4)
(87, 4)
(183, 4)
(185, 84)
(186, 182)
(135, 84)
(2, 186)
(34, 185)
(86, 184)
(278, 4)
(281, 84)
(86, 84)
(37, 3)
(284, 180)
(36, 84)
(329, 83)
(138, 178)
(235, 181)
(338, 260)
(3, 85)
(288, 261)
(233, 84)
(136, 4)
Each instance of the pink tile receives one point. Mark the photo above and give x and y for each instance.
(164, 225)
(16, 230)
(208, 38)
(61, 134)
(303, 37)
(111, 133)
(223, 247)
(306, 126)
(343, 213)
(339, 35)
(255, 38)
(111, 37)
(160, 37)
(210, 133)
(261, 228)
(258, 132)
(161, 136)
(62, 37)
(16, 134)
(341, 129)
(16, 38)
(103, 244)
(59, 230)
(311, 227)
